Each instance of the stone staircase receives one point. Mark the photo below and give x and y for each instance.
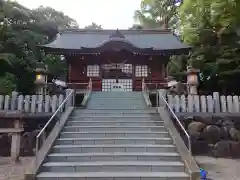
(115, 137)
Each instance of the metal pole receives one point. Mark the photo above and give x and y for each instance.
(37, 144)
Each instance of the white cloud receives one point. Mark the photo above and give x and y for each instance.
(111, 14)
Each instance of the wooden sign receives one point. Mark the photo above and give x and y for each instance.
(113, 66)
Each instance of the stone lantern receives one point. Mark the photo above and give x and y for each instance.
(41, 78)
(192, 80)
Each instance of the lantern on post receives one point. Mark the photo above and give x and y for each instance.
(192, 80)
(41, 78)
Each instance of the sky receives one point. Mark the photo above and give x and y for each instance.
(111, 14)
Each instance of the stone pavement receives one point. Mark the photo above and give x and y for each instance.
(220, 168)
(10, 171)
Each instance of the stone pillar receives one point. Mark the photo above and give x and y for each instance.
(192, 89)
(14, 100)
(16, 140)
(192, 80)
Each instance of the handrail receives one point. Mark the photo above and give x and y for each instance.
(145, 92)
(89, 87)
(179, 123)
(144, 86)
(42, 132)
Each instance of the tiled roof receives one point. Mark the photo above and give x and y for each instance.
(75, 39)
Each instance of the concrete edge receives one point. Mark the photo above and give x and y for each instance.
(147, 99)
(32, 171)
(85, 99)
(191, 166)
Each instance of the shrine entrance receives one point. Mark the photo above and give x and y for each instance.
(117, 75)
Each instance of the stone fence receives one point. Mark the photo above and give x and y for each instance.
(14, 110)
(31, 103)
(203, 104)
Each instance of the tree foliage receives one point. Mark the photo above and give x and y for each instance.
(21, 30)
(157, 13)
(93, 26)
(211, 27)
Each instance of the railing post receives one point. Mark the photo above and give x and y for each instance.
(90, 83)
(143, 84)
(161, 95)
(69, 100)
(73, 98)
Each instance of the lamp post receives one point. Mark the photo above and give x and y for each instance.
(41, 78)
(192, 80)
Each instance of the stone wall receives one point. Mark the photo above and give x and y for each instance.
(28, 143)
(32, 127)
(213, 135)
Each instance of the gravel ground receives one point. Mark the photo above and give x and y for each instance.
(218, 168)
(11, 171)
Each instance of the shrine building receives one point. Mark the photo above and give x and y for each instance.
(116, 56)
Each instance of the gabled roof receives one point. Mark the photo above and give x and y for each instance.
(77, 40)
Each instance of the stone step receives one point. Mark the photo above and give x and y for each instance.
(121, 104)
(113, 148)
(116, 101)
(113, 176)
(115, 118)
(116, 138)
(97, 107)
(113, 123)
(115, 93)
(93, 96)
(119, 95)
(111, 98)
(115, 115)
(118, 156)
(109, 104)
(114, 134)
(117, 111)
(113, 166)
(110, 140)
(147, 110)
(113, 128)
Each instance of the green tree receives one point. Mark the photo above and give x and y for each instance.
(135, 27)
(210, 26)
(21, 31)
(7, 85)
(157, 13)
(93, 26)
